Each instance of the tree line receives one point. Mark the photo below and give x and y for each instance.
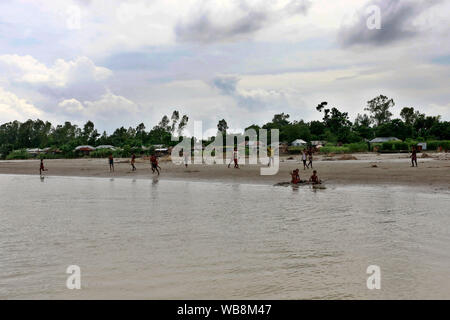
(335, 127)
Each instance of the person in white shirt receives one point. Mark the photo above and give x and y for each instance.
(304, 160)
(235, 159)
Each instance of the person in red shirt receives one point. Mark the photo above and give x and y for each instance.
(314, 178)
(133, 160)
(41, 167)
(154, 162)
(295, 177)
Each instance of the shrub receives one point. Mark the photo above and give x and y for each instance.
(18, 154)
(101, 153)
(400, 146)
(357, 147)
(387, 146)
(335, 150)
(295, 149)
(435, 144)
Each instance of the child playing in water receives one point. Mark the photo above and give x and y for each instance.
(314, 178)
(295, 177)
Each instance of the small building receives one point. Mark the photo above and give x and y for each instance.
(35, 151)
(317, 143)
(422, 146)
(86, 150)
(161, 151)
(298, 143)
(105, 146)
(384, 139)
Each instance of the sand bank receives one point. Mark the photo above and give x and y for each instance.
(369, 168)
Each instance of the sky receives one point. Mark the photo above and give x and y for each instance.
(124, 62)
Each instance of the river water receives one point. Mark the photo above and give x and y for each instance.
(150, 239)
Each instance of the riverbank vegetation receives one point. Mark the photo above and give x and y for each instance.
(341, 134)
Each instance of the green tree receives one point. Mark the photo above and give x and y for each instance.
(379, 109)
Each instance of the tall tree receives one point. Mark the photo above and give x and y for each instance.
(222, 126)
(175, 117)
(379, 109)
(409, 116)
(183, 123)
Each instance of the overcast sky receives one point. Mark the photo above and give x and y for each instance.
(123, 62)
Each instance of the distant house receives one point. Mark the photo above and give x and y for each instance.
(105, 146)
(85, 149)
(316, 143)
(161, 151)
(298, 143)
(384, 139)
(37, 151)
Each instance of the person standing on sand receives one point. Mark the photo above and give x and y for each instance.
(111, 162)
(41, 167)
(234, 158)
(270, 152)
(304, 160)
(186, 157)
(310, 158)
(413, 156)
(133, 160)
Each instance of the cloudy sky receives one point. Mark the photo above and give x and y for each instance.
(122, 62)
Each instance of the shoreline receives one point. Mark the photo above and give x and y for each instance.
(367, 169)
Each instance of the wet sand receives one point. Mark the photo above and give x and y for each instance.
(369, 168)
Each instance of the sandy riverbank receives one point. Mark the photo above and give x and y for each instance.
(369, 168)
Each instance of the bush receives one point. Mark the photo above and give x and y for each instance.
(335, 150)
(50, 156)
(295, 149)
(101, 153)
(357, 147)
(5, 149)
(387, 146)
(400, 146)
(18, 154)
(435, 144)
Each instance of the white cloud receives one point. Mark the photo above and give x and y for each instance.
(26, 69)
(106, 106)
(71, 106)
(15, 108)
